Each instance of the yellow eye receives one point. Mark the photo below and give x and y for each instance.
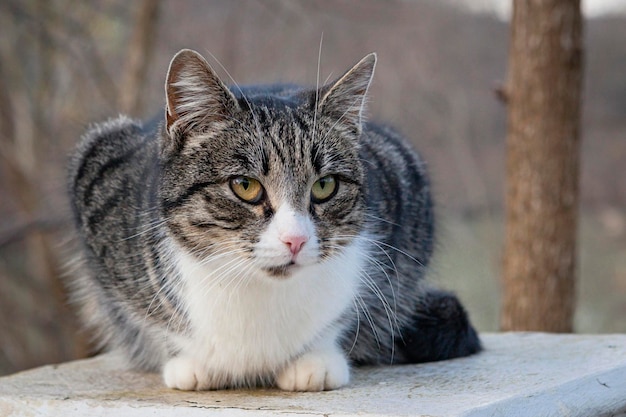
(324, 189)
(248, 189)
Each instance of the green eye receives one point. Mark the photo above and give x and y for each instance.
(248, 189)
(324, 189)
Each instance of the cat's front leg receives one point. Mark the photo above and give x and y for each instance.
(187, 374)
(181, 373)
(320, 369)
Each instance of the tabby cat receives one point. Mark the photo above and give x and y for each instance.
(259, 236)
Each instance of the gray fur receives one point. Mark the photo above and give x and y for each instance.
(135, 190)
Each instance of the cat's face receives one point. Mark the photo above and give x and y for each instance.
(272, 185)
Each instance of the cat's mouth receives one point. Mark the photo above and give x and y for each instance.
(281, 271)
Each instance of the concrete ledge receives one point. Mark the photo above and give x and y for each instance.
(519, 374)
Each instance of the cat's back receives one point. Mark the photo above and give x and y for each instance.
(397, 193)
(107, 167)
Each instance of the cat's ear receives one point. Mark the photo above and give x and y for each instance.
(344, 99)
(195, 95)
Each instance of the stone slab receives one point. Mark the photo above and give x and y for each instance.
(518, 374)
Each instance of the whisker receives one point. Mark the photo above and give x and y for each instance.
(150, 227)
(358, 325)
(372, 285)
(369, 318)
(317, 86)
(381, 243)
(380, 219)
(221, 276)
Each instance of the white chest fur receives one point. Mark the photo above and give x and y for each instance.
(246, 323)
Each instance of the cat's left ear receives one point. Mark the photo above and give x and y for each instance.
(344, 99)
(195, 95)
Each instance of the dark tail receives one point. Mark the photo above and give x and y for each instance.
(441, 330)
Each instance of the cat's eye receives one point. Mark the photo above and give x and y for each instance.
(248, 189)
(324, 189)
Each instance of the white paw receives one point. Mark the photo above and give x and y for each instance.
(182, 373)
(315, 371)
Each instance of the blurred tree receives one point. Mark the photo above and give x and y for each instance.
(139, 56)
(543, 94)
(23, 146)
(53, 79)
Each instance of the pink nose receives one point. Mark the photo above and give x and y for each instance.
(295, 242)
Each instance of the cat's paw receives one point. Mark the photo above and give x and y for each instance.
(183, 374)
(315, 371)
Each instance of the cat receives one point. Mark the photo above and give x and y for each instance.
(259, 236)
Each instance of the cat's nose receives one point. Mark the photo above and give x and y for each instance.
(295, 242)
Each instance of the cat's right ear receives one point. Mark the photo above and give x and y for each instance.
(195, 95)
(344, 100)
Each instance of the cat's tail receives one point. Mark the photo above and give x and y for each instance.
(440, 330)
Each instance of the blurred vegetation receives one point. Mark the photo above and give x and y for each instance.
(67, 63)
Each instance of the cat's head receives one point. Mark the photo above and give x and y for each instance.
(274, 181)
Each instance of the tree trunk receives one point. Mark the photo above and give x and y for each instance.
(543, 93)
(140, 51)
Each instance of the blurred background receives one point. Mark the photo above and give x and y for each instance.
(67, 63)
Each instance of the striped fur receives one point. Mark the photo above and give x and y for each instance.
(187, 278)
